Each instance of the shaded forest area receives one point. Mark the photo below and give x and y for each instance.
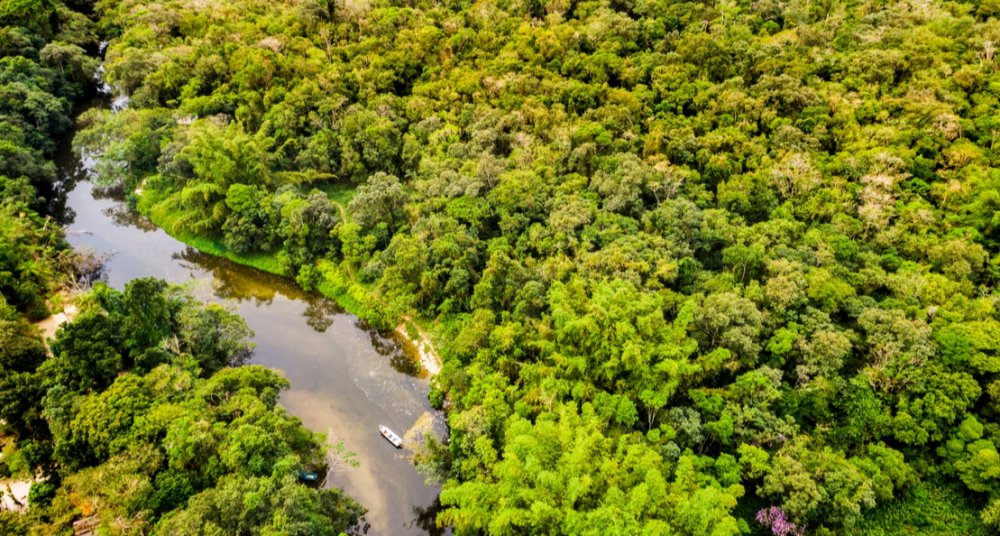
(695, 268)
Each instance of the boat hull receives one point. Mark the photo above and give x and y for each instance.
(391, 437)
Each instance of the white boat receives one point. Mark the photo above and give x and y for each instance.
(391, 436)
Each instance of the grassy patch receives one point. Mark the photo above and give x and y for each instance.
(261, 261)
(931, 508)
(159, 211)
(339, 193)
(337, 285)
(412, 332)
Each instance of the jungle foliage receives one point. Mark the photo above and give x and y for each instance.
(141, 416)
(698, 268)
(144, 418)
(44, 69)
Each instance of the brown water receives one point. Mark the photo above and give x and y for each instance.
(346, 379)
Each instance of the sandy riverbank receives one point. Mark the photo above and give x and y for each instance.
(19, 489)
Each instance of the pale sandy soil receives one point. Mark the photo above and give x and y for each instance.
(19, 488)
(52, 323)
(429, 359)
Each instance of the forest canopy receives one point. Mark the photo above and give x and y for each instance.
(144, 419)
(695, 268)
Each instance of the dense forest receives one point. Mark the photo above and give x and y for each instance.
(693, 268)
(141, 414)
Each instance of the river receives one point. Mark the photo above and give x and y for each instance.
(346, 378)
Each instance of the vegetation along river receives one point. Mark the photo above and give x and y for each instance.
(346, 378)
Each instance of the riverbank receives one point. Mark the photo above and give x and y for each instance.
(337, 282)
(14, 494)
(51, 325)
(346, 378)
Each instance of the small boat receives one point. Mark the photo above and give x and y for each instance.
(391, 436)
(308, 476)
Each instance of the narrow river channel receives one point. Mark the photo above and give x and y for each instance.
(346, 379)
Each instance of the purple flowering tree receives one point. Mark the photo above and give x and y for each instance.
(777, 520)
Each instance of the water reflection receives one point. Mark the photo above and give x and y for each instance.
(122, 217)
(320, 314)
(71, 168)
(425, 519)
(401, 352)
(118, 212)
(240, 283)
(346, 378)
(233, 281)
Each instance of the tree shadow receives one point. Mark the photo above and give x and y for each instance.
(320, 313)
(426, 519)
(402, 355)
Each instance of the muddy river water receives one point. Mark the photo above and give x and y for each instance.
(346, 378)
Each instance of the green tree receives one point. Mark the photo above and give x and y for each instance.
(379, 200)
